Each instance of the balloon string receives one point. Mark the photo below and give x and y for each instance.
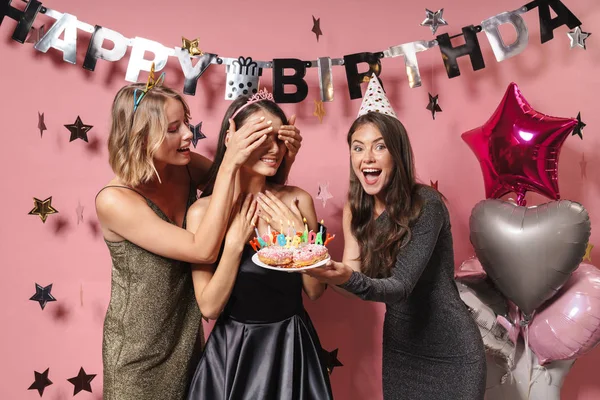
(529, 360)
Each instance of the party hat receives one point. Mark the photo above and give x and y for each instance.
(375, 100)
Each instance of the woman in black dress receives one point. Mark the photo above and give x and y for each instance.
(398, 250)
(263, 345)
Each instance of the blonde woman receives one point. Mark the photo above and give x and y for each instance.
(153, 321)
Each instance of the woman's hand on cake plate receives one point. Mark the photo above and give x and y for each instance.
(275, 212)
(243, 220)
(332, 273)
(292, 138)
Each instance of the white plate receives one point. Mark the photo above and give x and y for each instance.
(263, 265)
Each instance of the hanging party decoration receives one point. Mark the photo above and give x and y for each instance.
(41, 382)
(78, 130)
(42, 295)
(41, 124)
(578, 130)
(323, 193)
(191, 46)
(197, 133)
(242, 78)
(529, 252)
(316, 29)
(331, 361)
(501, 50)
(35, 34)
(434, 19)
(242, 73)
(518, 148)
(433, 105)
(578, 37)
(319, 110)
(82, 382)
(43, 208)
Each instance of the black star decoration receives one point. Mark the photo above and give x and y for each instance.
(433, 105)
(197, 131)
(82, 382)
(317, 27)
(331, 360)
(578, 130)
(42, 295)
(78, 130)
(43, 208)
(41, 124)
(41, 382)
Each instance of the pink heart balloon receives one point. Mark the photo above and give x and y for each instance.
(569, 324)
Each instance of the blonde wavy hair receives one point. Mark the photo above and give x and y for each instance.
(135, 137)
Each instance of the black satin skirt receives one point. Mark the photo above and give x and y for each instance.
(262, 361)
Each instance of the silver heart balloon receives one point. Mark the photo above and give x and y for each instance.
(529, 252)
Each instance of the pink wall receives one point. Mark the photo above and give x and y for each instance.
(68, 333)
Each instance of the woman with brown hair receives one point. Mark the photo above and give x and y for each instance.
(263, 344)
(152, 326)
(398, 250)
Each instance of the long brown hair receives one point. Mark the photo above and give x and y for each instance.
(239, 120)
(381, 241)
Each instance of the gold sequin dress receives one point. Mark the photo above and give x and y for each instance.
(152, 330)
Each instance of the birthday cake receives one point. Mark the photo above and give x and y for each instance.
(298, 250)
(302, 256)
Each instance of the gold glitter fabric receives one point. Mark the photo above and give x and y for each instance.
(152, 330)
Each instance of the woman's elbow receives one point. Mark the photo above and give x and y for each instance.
(210, 312)
(204, 258)
(314, 293)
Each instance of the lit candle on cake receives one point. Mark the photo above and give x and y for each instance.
(268, 227)
(305, 234)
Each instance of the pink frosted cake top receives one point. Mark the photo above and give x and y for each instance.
(276, 253)
(309, 251)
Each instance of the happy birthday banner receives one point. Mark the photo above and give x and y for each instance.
(243, 73)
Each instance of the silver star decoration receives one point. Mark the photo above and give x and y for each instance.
(41, 124)
(583, 166)
(578, 37)
(79, 211)
(35, 34)
(324, 193)
(197, 132)
(434, 19)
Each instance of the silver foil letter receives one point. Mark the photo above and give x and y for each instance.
(96, 51)
(409, 52)
(501, 50)
(137, 62)
(325, 78)
(191, 72)
(67, 23)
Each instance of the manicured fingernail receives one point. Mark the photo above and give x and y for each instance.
(269, 122)
(270, 128)
(262, 119)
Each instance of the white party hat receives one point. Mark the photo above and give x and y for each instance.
(375, 100)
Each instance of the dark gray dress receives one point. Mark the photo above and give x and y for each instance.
(432, 348)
